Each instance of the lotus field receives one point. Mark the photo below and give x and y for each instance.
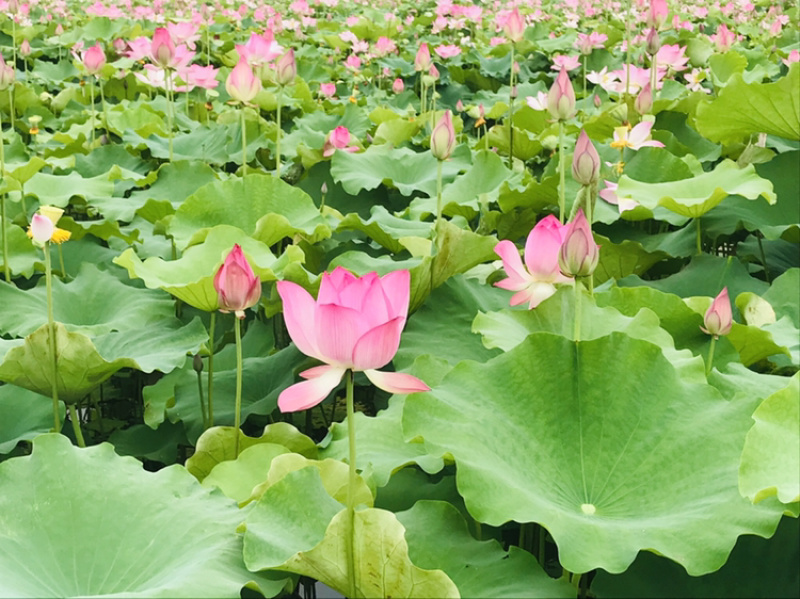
(411, 299)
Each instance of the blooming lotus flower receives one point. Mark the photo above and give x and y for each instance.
(514, 26)
(564, 61)
(718, 319)
(259, 51)
(635, 138)
(286, 68)
(536, 280)
(237, 286)
(327, 89)
(609, 194)
(196, 75)
(724, 38)
(538, 102)
(579, 254)
(354, 324)
(443, 137)
(672, 56)
(338, 139)
(561, 98)
(242, 84)
(447, 51)
(422, 61)
(162, 48)
(43, 226)
(585, 161)
(794, 56)
(587, 42)
(94, 59)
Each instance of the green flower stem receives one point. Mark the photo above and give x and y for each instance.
(710, 359)
(653, 77)
(103, 104)
(351, 488)
(278, 135)
(212, 323)
(61, 263)
(237, 328)
(585, 58)
(6, 268)
(511, 114)
(562, 200)
(699, 236)
(91, 101)
(48, 277)
(76, 424)
(244, 143)
(202, 401)
(438, 223)
(577, 330)
(11, 106)
(170, 118)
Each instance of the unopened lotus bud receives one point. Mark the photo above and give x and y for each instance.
(597, 101)
(197, 363)
(579, 255)
(242, 85)
(644, 101)
(162, 49)
(286, 68)
(561, 97)
(398, 86)
(422, 61)
(443, 137)
(653, 42)
(585, 161)
(25, 49)
(514, 27)
(718, 319)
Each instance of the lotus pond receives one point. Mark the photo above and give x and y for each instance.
(413, 299)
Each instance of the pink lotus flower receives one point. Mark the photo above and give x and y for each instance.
(25, 49)
(585, 161)
(794, 56)
(327, 89)
(609, 194)
(353, 62)
(538, 102)
(41, 229)
(422, 61)
(536, 280)
(184, 32)
(718, 319)
(162, 48)
(398, 86)
(561, 98)
(443, 137)
(638, 137)
(259, 51)
(657, 14)
(724, 38)
(514, 26)
(567, 62)
(384, 46)
(587, 42)
(7, 75)
(448, 51)
(237, 286)
(354, 324)
(672, 56)
(242, 84)
(579, 253)
(94, 59)
(286, 68)
(338, 139)
(644, 101)
(198, 76)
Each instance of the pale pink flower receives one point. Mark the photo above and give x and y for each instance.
(242, 84)
(237, 286)
(794, 56)
(353, 62)
(327, 89)
(338, 139)
(587, 42)
(724, 38)
(398, 86)
(570, 63)
(538, 102)
(609, 194)
(718, 319)
(448, 51)
(636, 138)
(196, 75)
(672, 56)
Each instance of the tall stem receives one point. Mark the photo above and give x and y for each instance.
(6, 268)
(351, 488)
(212, 323)
(244, 144)
(200, 395)
(511, 113)
(91, 101)
(577, 330)
(562, 201)
(168, 78)
(710, 359)
(278, 136)
(699, 236)
(237, 328)
(585, 58)
(103, 104)
(48, 278)
(76, 424)
(11, 106)
(438, 224)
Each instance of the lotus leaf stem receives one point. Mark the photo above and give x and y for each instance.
(237, 328)
(351, 489)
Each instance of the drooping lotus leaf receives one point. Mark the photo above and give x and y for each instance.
(237, 478)
(438, 538)
(84, 363)
(64, 537)
(696, 196)
(262, 206)
(771, 457)
(190, 278)
(380, 447)
(384, 228)
(297, 527)
(613, 456)
(742, 109)
(403, 168)
(215, 446)
(23, 415)
(80, 306)
(756, 568)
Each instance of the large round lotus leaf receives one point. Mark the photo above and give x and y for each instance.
(771, 456)
(612, 456)
(438, 538)
(24, 415)
(89, 523)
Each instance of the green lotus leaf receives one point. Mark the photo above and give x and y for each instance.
(23, 415)
(78, 305)
(742, 109)
(695, 196)
(723, 66)
(84, 364)
(438, 538)
(287, 435)
(237, 478)
(614, 457)
(190, 278)
(619, 260)
(402, 168)
(210, 145)
(782, 295)
(384, 228)
(56, 190)
(178, 540)
(381, 448)
(144, 443)
(135, 116)
(531, 194)
(216, 446)
(22, 254)
(262, 206)
(771, 457)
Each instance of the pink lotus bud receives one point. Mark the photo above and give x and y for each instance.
(162, 50)
(718, 319)
(25, 49)
(443, 137)
(242, 84)
(238, 288)
(120, 45)
(644, 101)
(597, 101)
(585, 161)
(398, 86)
(460, 105)
(94, 59)
(514, 27)
(338, 139)
(653, 42)
(578, 255)
(7, 75)
(327, 89)
(422, 61)
(286, 68)
(657, 14)
(433, 71)
(59, 29)
(561, 98)
(41, 229)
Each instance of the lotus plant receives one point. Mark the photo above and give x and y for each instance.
(285, 73)
(93, 60)
(718, 320)
(353, 326)
(338, 139)
(561, 106)
(6, 82)
(443, 142)
(514, 28)
(577, 258)
(242, 86)
(238, 288)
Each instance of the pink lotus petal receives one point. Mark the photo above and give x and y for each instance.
(518, 277)
(542, 247)
(299, 312)
(305, 395)
(396, 382)
(338, 328)
(540, 291)
(396, 289)
(378, 346)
